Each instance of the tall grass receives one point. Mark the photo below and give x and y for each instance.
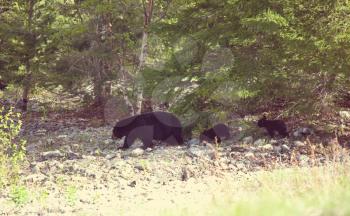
(296, 191)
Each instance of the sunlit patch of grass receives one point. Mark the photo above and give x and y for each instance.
(71, 195)
(296, 191)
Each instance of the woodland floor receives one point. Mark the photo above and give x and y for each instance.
(74, 168)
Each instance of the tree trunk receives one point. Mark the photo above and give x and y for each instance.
(148, 10)
(142, 60)
(27, 82)
(98, 89)
(26, 88)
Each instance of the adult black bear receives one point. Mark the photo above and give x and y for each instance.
(220, 131)
(273, 125)
(150, 126)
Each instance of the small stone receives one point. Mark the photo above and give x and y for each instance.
(139, 167)
(185, 174)
(267, 147)
(259, 142)
(108, 141)
(66, 148)
(137, 152)
(193, 142)
(285, 149)
(34, 168)
(302, 132)
(52, 154)
(277, 149)
(249, 155)
(73, 156)
(111, 156)
(298, 143)
(248, 140)
(238, 149)
(132, 184)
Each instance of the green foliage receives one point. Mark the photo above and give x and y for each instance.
(19, 195)
(12, 148)
(71, 195)
(241, 56)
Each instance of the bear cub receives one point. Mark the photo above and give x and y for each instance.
(220, 131)
(273, 125)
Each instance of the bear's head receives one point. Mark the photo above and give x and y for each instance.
(261, 122)
(118, 132)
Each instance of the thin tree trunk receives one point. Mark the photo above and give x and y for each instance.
(148, 10)
(142, 60)
(28, 77)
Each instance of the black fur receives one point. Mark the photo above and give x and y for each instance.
(3, 85)
(273, 125)
(220, 131)
(150, 126)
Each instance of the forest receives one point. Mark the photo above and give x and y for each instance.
(232, 107)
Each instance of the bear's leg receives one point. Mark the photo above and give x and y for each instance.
(178, 136)
(218, 139)
(128, 141)
(147, 142)
(283, 133)
(271, 132)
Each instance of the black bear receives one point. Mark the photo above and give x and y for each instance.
(273, 125)
(220, 131)
(3, 85)
(161, 126)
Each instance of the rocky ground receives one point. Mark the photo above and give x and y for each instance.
(76, 170)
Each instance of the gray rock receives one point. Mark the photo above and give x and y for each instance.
(267, 147)
(137, 152)
(249, 155)
(259, 142)
(193, 142)
(298, 143)
(248, 140)
(108, 141)
(52, 155)
(302, 132)
(139, 167)
(285, 149)
(73, 156)
(238, 149)
(111, 156)
(132, 184)
(202, 151)
(34, 168)
(277, 149)
(185, 174)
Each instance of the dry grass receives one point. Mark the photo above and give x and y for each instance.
(296, 191)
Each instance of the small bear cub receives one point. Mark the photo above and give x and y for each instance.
(273, 125)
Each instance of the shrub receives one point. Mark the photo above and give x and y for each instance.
(12, 148)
